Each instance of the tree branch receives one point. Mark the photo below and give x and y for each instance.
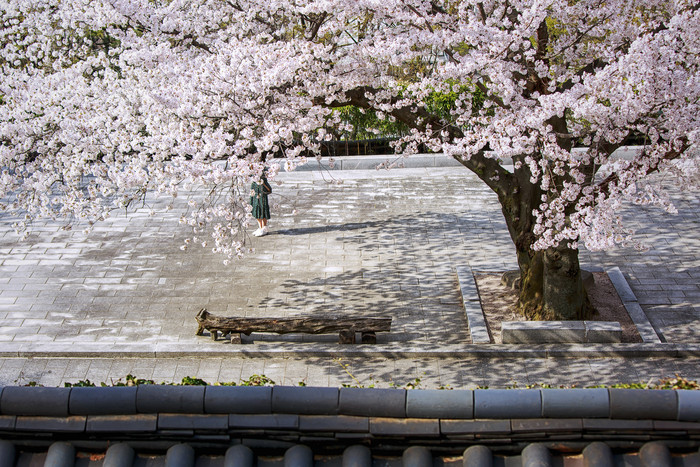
(482, 12)
(317, 23)
(486, 168)
(604, 186)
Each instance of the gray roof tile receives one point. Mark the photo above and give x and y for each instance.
(373, 402)
(299, 456)
(74, 423)
(119, 424)
(548, 425)
(192, 422)
(238, 399)
(7, 453)
(352, 416)
(239, 456)
(417, 456)
(60, 455)
(7, 422)
(454, 427)
(643, 403)
(688, 405)
(334, 423)
(152, 398)
(589, 403)
(536, 455)
(656, 455)
(598, 454)
(437, 403)
(119, 455)
(180, 455)
(305, 400)
(357, 456)
(507, 403)
(595, 424)
(30, 400)
(477, 456)
(404, 427)
(264, 421)
(102, 400)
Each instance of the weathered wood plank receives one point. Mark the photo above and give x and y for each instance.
(346, 327)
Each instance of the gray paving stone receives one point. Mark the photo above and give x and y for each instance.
(392, 251)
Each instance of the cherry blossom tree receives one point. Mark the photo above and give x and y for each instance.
(105, 100)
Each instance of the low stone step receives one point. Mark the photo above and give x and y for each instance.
(539, 332)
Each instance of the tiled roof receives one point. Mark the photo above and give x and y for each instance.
(305, 426)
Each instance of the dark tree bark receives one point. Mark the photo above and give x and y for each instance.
(551, 286)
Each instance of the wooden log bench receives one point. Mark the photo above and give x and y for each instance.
(345, 327)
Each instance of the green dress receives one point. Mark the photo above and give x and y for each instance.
(261, 208)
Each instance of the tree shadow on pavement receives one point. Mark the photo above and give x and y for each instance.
(402, 267)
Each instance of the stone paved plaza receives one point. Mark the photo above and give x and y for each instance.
(381, 243)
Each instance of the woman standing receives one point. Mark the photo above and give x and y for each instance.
(261, 207)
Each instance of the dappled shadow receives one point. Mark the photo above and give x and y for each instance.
(402, 267)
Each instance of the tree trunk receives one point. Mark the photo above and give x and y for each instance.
(551, 287)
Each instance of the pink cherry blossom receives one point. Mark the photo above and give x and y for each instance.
(103, 101)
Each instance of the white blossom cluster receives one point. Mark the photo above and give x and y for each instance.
(102, 101)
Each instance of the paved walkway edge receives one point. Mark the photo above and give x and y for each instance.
(296, 350)
(652, 346)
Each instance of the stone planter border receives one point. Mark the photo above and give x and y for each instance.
(547, 332)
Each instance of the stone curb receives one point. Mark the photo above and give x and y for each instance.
(282, 350)
(285, 401)
(472, 306)
(629, 300)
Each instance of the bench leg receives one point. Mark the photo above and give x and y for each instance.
(346, 337)
(200, 330)
(236, 338)
(214, 335)
(369, 337)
